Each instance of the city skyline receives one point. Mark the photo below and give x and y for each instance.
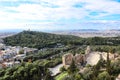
(59, 14)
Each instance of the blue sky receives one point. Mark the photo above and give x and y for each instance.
(59, 14)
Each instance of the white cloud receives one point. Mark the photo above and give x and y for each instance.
(39, 11)
(103, 5)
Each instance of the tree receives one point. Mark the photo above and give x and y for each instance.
(62, 69)
(104, 76)
(78, 77)
(112, 50)
(48, 76)
(108, 65)
(72, 68)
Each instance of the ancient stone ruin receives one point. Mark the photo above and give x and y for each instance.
(67, 59)
(78, 58)
(90, 57)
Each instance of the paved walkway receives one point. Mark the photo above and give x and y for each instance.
(55, 70)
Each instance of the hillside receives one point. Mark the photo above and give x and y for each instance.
(51, 56)
(38, 39)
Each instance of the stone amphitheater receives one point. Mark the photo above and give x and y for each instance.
(89, 57)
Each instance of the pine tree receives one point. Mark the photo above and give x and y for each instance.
(72, 68)
(108, 65)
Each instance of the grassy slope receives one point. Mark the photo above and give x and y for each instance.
(61, 76)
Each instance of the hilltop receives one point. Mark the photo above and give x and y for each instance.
(38, 39)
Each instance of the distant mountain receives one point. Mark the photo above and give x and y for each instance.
(91, 33)
(78, 30)
(86, 30)
(114, 30)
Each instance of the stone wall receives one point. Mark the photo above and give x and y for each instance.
(67, 59)
(78, 58)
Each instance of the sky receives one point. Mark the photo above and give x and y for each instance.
(59, 14)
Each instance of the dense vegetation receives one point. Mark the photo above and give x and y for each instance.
(103, 70)
(26, 71)
(39, 39)
(52, 47)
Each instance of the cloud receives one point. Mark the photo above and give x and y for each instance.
(38, 12)
(49, 13)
